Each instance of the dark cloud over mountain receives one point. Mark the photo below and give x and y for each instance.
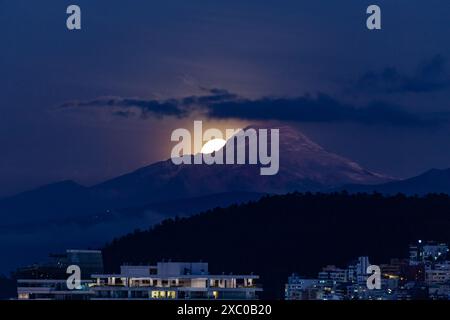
(431, 75)
(221, 104)
(321, 108)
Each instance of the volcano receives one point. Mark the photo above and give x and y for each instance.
(304, 166)
(79, 216)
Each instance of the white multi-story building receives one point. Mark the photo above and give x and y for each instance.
(52, 289)
(173, 280)
(166, 280)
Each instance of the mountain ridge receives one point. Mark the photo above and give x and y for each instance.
(431, 181)
(304, 166)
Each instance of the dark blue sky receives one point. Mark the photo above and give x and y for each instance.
(380, 98)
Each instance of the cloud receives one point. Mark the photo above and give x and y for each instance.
(127, 107)
(221, 104)
(211, 97)
(320, 109)
(144, 108)
(430, 76)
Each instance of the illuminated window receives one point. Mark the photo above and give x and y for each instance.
(163, 295)
(24, 296)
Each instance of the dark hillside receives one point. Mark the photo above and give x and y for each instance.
(297, 232)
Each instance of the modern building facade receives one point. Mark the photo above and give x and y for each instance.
(163, 281)
(52, 289)
(174, 280)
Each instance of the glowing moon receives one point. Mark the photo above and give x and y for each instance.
(213, 146)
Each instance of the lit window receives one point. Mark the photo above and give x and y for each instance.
(24, 296)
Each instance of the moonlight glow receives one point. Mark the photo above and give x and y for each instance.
(213, 146)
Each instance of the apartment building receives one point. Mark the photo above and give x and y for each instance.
(174, 280)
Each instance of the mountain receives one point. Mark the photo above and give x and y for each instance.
(54, 201)
(166, 209)
(432, 181)
(304, 166)
(65, 214)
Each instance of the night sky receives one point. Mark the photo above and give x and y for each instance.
(92, 104)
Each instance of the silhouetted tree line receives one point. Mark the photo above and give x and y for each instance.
(298, 232)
